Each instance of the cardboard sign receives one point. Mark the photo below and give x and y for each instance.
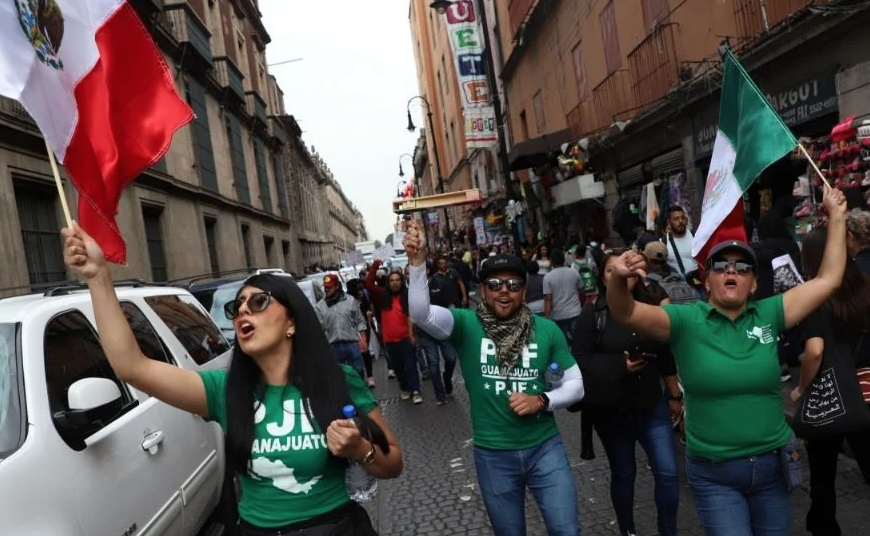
(354, 258)
(384, 253)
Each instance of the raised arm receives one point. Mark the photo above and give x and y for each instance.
(370, 284)
(650, 320)
(174, 385)
(802, 300)
(434, 320)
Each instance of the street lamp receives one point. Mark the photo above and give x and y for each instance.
(402, 172)
(411, 129)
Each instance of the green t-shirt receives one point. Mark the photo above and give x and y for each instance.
(291, 478)
(730, 372)
(495, 425)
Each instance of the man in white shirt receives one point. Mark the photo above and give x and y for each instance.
(679, 241)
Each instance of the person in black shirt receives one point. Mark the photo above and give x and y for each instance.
(846, 317)
(446, 288)
(622, 372)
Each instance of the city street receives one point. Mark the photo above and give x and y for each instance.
(438, 494)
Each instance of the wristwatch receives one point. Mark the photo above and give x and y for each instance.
(369, 458)
(678, 398)
(545, 400)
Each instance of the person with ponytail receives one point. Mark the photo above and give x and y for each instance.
(279, 405)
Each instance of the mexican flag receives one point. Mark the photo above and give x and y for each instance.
(91, 77)
(751, 137)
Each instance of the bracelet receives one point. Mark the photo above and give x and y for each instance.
(545, 402)
(369, 458)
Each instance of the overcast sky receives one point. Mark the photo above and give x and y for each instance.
(349, 91)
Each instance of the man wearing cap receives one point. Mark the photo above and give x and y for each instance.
(726, 352)
(344, 324)
(504, 351)
(656, 254)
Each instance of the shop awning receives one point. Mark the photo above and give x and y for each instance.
(533, 152)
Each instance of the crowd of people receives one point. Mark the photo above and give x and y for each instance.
(642, 341)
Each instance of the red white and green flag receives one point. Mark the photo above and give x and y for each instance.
(751, 137)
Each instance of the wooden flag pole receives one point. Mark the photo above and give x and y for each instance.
(59, 184)
(815, 167)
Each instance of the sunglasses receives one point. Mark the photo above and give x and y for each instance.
(257, 303)
(495, 284)
(739, 266)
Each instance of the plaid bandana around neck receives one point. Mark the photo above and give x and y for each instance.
(510, 335)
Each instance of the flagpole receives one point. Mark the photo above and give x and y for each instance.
(58, 183)
(815, 167)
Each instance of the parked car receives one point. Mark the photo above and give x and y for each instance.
(82, 453)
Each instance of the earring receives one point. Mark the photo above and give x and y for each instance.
(290, 333)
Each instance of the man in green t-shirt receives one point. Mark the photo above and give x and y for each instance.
(726, 354)
(504, 353)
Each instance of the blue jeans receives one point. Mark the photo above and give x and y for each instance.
(430, 347)
(742, 496)
(619, 432)
(503, 476)
(567, 326)
(348, 353)
(402, 354)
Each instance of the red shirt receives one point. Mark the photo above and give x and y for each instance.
(394, 322)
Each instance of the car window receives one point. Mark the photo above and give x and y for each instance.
(149, 342)
(11, 400)
(222, 296)
(198, 334)
(72, 353)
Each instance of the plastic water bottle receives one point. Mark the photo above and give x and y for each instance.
(361, 486)
(553, 376)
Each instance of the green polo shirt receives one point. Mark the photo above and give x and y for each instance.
(730, 373)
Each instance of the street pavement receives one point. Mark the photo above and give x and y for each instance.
(438, 494)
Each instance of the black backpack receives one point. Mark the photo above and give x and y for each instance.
(677, 289)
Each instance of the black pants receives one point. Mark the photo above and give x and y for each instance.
(350, 519)
(823, 454)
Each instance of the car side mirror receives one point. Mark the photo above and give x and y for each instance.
(92, 402)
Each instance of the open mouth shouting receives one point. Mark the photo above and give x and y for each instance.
(245, 330)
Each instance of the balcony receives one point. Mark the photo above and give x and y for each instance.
(230, 77)
(581, 119)
(15, 111)
(257, 107)
(758, 16)
(276, 129)
(190, 30)
(146, 8)
(613, 99)
(654, 67)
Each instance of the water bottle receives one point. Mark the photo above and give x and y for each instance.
(553, 376)
(361, 486)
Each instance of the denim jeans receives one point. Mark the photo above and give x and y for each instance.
(619, 433)
(430, 347)
(741, 496)
(567, 326)
(403, 355)
(348, 353)
(503, 476)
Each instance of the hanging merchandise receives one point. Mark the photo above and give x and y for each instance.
(652, 206)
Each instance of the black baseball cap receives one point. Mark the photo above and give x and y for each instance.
(733, 245)
(503, 263)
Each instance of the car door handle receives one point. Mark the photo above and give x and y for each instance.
(152, 441)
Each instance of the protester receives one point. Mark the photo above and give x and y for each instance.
(398, 331)
(726, 354)
(446, 285)
(356, 289)
(858, 238)
(344, 324)
(679, 242)
(845, 317)
(585, 265)
(542, 256)
(534, 288)
(637, 410)
(272, 368)
(563, 288)
(656, 254)
(504, 351)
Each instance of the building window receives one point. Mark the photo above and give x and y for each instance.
(43, 249)
(262, 176)
(655, 12)
(269, 246)
(151, 217)
(580, 73)
(211, 241)
(280, 187)
(540, 120)
(285, 254)
(610, 36)
(246, 243)
(202, 149)
(237, 155)
(524, 125)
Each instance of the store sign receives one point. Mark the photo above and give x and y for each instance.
(796, 104)
(466, 43)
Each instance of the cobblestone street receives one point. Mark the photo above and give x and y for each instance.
(438, 493)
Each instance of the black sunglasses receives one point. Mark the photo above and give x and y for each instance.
(495, 284)
(739, 266)
(257, 303)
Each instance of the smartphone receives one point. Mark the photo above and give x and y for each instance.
(636, 356)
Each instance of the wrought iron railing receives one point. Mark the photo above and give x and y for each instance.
(757, 16)
(613, 98)
(654, 67)
(582, 119)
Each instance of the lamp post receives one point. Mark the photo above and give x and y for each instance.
(402, 172)
(412, 128)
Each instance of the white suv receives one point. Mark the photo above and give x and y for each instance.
(82, 453)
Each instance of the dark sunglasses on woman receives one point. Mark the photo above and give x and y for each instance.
(495, 284)
(257, 303)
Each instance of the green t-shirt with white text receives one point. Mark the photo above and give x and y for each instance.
(291, 477)
(495, 425)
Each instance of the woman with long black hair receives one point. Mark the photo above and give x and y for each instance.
(846, 318)
(280, 404)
